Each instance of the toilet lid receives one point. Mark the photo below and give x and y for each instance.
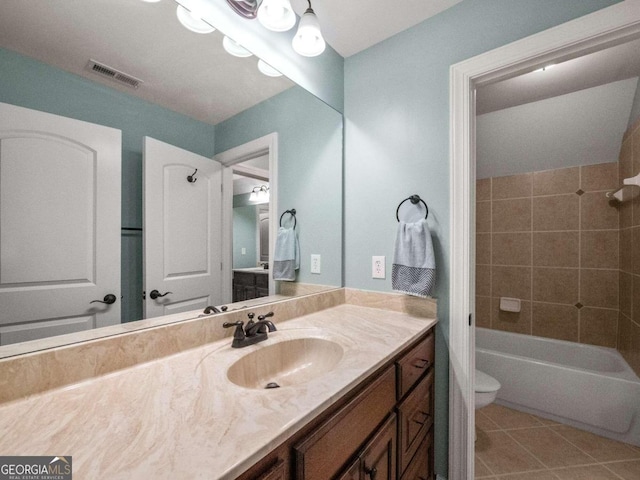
(486, 383)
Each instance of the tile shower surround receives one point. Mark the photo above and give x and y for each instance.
(551, 239)
(629, 280)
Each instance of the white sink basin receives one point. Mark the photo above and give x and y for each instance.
(286, 363)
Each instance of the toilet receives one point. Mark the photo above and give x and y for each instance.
(486, 389)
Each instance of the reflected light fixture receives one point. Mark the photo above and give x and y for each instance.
(267, 69)
(276, 15)
(308, 40)
(191, 20)
(259, 194)
(234, 48)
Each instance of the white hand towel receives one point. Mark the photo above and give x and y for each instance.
(286, 259)
(414, 264)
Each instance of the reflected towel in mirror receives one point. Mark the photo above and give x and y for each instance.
(286, 259)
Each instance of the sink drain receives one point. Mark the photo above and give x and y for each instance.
(272, 385)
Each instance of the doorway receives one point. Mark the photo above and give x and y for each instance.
(614, 25)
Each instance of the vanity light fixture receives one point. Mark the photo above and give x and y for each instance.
(244, 8)
(259, 194)
(308, 40)
(234, 48)
(276, 15)
(267, 69)
(191, 20)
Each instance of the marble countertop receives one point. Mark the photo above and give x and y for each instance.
(180, 417)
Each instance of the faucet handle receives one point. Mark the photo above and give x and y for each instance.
(262, 317)
(239, 332)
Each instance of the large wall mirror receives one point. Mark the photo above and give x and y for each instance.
(191, 97)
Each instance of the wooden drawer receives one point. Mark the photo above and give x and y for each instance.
(420, 467)
(414, 364)
(324, 452)
(415, 417)
(244, 278)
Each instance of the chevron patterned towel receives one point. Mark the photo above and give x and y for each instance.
(414, 265)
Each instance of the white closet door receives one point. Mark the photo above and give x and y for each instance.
(182, 229)
(59, 224)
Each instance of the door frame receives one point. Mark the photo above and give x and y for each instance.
(607, 27)
(266, 145)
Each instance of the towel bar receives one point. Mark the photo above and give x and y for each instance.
(292, 212)
(414, 200)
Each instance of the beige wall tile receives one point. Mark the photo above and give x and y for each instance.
(483, 280)
(483, 217)
(483, 248)
(555, 285)
(634, 349)
(636, 250)
(483, 189)
(511, 215)
(599, 288)
(554, 182)
(624, 334)
(511, 282)
(599, 326)
(511, 249)
(555, 249)
(557, 212)
(625, 214)
(519, 322)
(483, 312)
(626, 250)
(603, 176)
(555, 321)
(597, 212)
(625, 292)
(635, 299)
(599, 249)
(513, 186)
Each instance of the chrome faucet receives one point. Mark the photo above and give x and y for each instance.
(254, 332)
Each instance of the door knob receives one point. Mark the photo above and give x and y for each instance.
(156, 294)
(108, 299)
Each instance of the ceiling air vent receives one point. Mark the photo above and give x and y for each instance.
(113, 74)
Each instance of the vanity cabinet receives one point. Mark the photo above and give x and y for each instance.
(381, 431)
(249, 285)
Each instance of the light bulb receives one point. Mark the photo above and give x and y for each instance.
(234, 48)
(192, 21)
(308, 39)
(268, 70)
(276, 15)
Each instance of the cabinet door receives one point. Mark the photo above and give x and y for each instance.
(378, 461)
(353, 471)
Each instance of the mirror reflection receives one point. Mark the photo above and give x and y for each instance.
(193, 102)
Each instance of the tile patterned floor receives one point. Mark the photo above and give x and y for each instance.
(512, 445)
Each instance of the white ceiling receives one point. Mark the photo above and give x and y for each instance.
(183, 71)
(351, 26)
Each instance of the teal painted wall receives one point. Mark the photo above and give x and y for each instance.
(32, 84)
(244, 236)
(309, 171)
(397, 139)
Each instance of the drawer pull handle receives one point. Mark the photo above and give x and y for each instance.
(372, 472)
(424, 363)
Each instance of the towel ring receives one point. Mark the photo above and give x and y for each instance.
(414, 200)
(293, 214)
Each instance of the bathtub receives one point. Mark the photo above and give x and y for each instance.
(588, 387)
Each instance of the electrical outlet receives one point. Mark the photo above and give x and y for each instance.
(377, 267)
(244, 251)
(315, 263)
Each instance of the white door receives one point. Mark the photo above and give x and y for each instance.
(182, 230)
(59, 224)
